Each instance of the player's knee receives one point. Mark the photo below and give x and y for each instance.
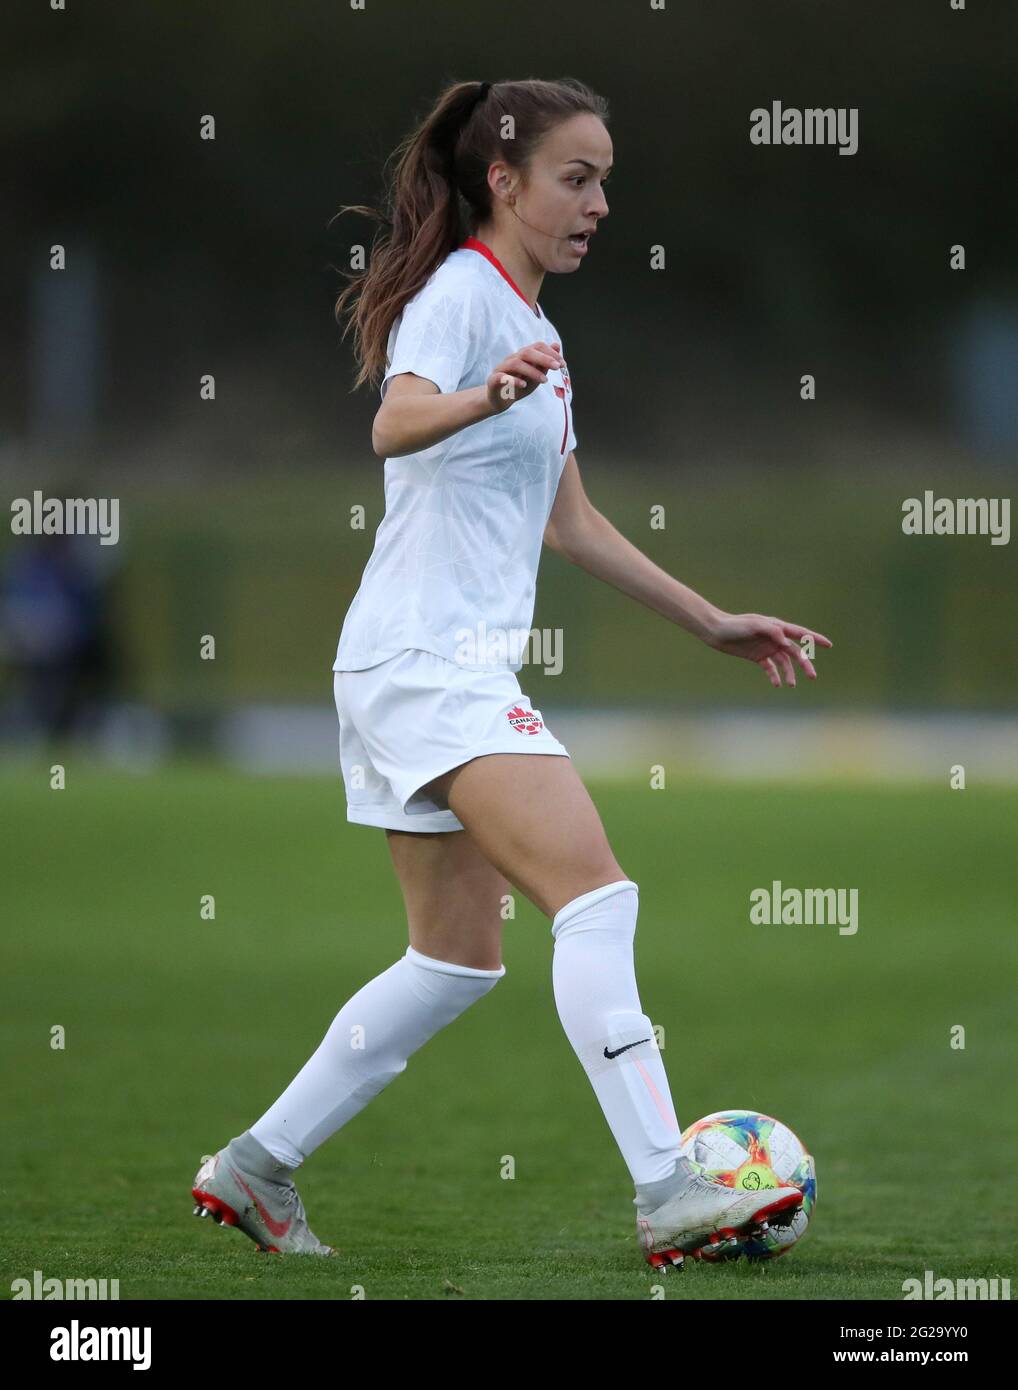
(610, 907)
(594, 870)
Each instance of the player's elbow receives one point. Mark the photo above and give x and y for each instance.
(551, 540)
(389, 437)
(571, 534)
(380, 442)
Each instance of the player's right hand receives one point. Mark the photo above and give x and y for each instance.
(521, 373)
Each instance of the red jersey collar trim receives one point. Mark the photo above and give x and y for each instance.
(472, 244)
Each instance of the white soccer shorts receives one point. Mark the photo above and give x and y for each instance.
(416, 715)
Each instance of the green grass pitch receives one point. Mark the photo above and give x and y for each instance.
(180, 1032)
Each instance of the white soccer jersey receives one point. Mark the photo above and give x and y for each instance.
(454, 566)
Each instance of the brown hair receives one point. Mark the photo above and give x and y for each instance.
(440, 188)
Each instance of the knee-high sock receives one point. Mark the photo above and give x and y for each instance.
(594, 980)
(366, 1046)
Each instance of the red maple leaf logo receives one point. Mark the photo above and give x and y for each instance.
(524, 721)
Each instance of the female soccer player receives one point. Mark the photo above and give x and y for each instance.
(438, 744)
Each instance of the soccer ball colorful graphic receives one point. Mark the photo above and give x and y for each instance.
(744, 1149)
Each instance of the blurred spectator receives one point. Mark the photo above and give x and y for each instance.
(55, 637)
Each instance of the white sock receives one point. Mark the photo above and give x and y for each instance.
(594, 979)
(366, 1046)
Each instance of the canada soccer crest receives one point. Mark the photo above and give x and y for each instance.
(525, 721)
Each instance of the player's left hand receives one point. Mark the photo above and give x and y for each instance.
(771, 643)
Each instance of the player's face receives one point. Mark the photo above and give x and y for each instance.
(564, 193)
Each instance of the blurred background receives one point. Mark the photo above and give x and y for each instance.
(187, 257)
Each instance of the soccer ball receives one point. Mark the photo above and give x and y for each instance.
(741, 1148)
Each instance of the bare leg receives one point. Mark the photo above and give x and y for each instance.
(453, 897)
(531, 817)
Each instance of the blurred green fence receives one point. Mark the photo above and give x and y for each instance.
(268, 565)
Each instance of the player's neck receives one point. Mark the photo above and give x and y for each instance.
(525, 274)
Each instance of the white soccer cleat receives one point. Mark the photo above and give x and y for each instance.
(702, 1218)
(244, 1186)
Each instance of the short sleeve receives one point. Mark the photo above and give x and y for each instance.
(434, 336)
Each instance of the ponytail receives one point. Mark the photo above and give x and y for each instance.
(439, 193)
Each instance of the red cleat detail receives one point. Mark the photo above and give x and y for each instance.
(782, 1204)
(216, 1206)
(665, 1259)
